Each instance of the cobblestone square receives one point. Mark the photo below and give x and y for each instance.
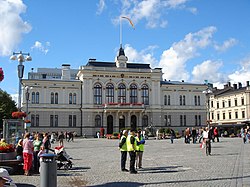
(97, 163)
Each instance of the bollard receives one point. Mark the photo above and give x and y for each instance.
(48, 172)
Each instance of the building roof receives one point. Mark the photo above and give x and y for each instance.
(112, 64)
(179, 83)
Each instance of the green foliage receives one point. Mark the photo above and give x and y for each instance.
(7, 106)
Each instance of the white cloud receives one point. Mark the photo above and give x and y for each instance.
(143, 56)
(11, 24)
(175, 3)
(208, 70)
(173, 61)
(226, 45)
(243, 74)
(100, 7)
(43, 48)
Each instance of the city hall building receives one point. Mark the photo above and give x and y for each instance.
(110, 95)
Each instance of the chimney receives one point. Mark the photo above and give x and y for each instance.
(248, 83)
(239, 85)
(225, 86)
(65, 72)
(182, 80)
(235, 86)
(229, 84)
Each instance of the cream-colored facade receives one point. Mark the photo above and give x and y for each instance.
(113, 96)
(230, 106)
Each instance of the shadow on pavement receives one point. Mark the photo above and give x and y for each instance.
(24, 185)
(167, 169)
(120, 184)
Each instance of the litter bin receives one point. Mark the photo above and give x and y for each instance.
(48, 172)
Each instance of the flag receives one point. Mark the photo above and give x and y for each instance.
(130, 21)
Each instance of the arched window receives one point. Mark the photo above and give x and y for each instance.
(32, 120)
(165, 100)
(98, 121)
(169, 100)
(184, 99)
(121, 93)
(195, 100)
(37, 97)
(98, 94)
(33, 98)
(37, 120)
(180, 99)
(199, 100)
(70, 98)
(56, 98)
(74, 98)
(145, 94)
(110, 93)
(52, 98)
(144, 121)
(133, 93)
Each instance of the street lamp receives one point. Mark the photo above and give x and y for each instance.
(27, 95)
(207, 92)
(20, 57)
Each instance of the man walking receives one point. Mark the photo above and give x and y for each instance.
(123, 149)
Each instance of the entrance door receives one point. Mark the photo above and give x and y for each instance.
(110, 124)
(121, 122)
(133, 122)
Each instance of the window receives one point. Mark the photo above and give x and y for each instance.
(243, 114)
(212, 115)
(74, 98)
(167, 120)
(195, 100)
(144, 121)
(218, 104)
(180, 99)
(74, 120)
(37, 120)
(52, 98)
(223, 104)
(56, 98)
(212, 104)
(32, 120)
(218, 116)
(181, 120)
(70, 98)
(224, 115)
(33, 98)
(242, 101)
(97, 94)
(110, 93)
(165, 100)
(236, 115)
(70, 120)
(98, 121)
(199, 120)
(145, 94)
(196, 120)
(235, 102)
(185, 120)
(121, 93)
(37, 97)
(230, 115)
(133, 93)
(229, 103)
(51, 120)
(169, 100)
(56, 120)
(199, 100)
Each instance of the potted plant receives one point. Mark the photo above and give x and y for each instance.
(7, 151)
(18, 115)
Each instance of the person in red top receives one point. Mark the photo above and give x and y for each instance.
(216, 134)
(28, 149)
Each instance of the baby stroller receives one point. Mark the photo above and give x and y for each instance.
(63, 159)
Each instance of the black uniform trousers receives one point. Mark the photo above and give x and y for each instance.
(123, 159)
(132, 155)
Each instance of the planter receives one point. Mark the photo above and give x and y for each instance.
(8, 156)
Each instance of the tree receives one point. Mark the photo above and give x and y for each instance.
(7, 106)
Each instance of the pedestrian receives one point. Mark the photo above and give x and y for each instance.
(46, 142)
(207, 140)
(123, 149)
(27, 154)
(37, 143)
(187, 135)
(140, 141)
(60, 138)
(131, 147)
(172, 136)
(216, 134)
(194, 135)
(19, 150)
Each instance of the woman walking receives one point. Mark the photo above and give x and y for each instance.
(27, 154)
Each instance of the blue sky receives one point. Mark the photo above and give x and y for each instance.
(192, 40)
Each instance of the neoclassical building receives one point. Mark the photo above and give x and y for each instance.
(113, 96)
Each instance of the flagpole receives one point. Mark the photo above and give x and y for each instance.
(120, 31)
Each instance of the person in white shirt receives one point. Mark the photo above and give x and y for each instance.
(206, 139)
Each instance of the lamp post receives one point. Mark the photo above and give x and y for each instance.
(21, 58)
(207, 92)
(27, 96)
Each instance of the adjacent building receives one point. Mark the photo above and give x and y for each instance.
(113, 96)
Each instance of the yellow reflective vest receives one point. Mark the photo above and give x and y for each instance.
(130, 146)
(124, 146)
(139, 147)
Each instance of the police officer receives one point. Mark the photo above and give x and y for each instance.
(139, 149)
(131, 147)
(123, 149)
